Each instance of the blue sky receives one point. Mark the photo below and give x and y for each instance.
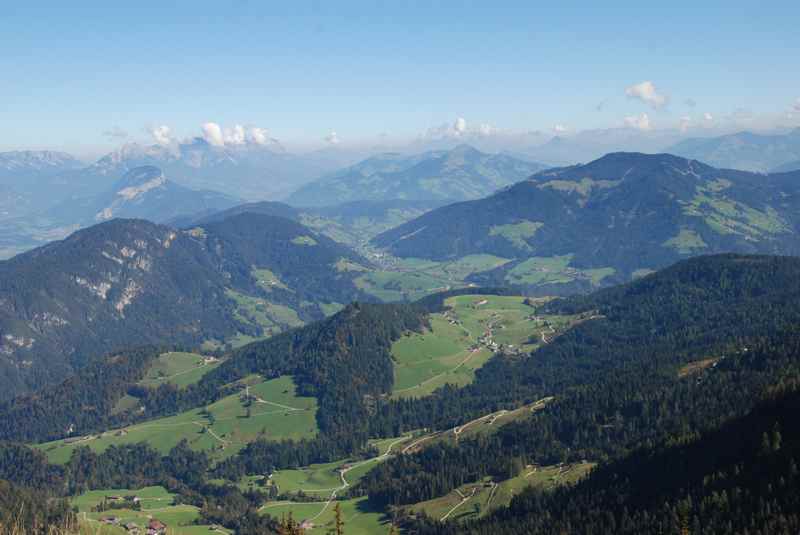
(74, 70)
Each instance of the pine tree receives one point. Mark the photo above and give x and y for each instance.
(684, 511)
(289, 527)
(338, 523)
(776, 437)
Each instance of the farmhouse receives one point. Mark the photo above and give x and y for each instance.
(156, 527)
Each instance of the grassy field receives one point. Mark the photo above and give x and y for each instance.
(463, 339)
(686, 241)
(180, 369)
(304, 240)
(156, 503)
(517, 233)
(399, 286)
(343, 266)
(409, 279)
(413, 278)
(319, 479)
(277, 414)
(269, 316)
(322, 480)
(479, 499)
(272, 318)
(553, 270)
(539, 270)
(125, 403)
(151, 497)
(329, 309)
(727, 216)
(268, 280)
(359, 518)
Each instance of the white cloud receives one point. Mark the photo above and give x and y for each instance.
(559, 129)
(685, 123)
(213, 135)
(639, 122)
(235, 135)
(646, 92)
(460, 126)
(257, 136)
(161, 134)
(459, 129)
(707, 117)
(332, 138)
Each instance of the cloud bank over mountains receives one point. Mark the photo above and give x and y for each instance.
(210, 132)
(660, 119)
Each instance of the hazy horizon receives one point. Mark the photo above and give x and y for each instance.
(87, 78)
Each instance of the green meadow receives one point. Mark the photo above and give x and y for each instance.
(180, 369)
(414, 278)
(321, 480)
(475, 500)
(359, 518)
(553, 270)
(277, 414)
(459, 342)
(156, 503)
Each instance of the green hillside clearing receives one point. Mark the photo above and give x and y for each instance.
(464, 338)
(276, 413)
(156, 503)
(478, 499)
(180, 369)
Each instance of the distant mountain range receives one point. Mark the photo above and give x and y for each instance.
(458, 174)
(588, 145)
(28, 177)
(744, 150)
(21, 163)
(44, 195)
(787, 167)
(249, 171)
(145, 193)
(129, 282)
(614, 218)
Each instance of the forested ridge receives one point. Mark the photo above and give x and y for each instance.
(616, 379)
(656, 366)
(126, 283)
(82, 403)
(344, 361)
(740, 478)
(626, 211)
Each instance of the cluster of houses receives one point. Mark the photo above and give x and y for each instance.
(154, 527)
